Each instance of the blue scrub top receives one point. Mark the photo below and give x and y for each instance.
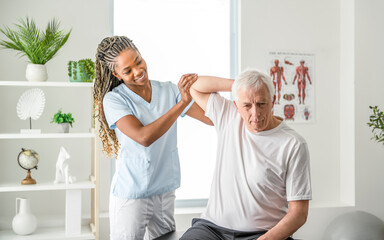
(144, 171)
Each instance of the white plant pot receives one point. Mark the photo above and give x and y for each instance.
(63, 127)
(36, 72)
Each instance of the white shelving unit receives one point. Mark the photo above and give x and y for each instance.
(46, 84)
(45, 186)
(45, 135)
(48, 234)
(73, 191)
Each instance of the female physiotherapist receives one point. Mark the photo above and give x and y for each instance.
(138, 124)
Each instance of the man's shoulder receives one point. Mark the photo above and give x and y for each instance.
(218, 97)
(220, 110)
(218, 100)
(289, 132)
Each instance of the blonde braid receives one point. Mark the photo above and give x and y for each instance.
(105, 81)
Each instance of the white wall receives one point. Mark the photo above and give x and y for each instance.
(300, 26)
(369, 91)
(347, 102)
(90, 23)
(303, 25)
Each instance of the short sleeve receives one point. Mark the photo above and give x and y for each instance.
(298, 180)
(115, 108)
(177, 93)
(220, 110)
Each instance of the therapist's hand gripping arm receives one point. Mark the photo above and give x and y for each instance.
(148, 134)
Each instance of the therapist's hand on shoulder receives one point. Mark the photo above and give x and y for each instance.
(184, 86)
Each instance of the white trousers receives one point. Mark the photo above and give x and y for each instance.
(136, 219)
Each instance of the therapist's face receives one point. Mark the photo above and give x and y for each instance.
(131, 68)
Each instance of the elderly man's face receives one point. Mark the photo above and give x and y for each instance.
(255, 107)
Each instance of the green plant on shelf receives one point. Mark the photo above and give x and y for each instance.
(37, 45)
(83, 69)
(376, 122)
(61, 117)
(72, 69)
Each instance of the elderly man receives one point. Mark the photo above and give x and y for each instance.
(261, 185)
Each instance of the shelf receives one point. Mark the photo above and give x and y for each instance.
(73, 192)
(45, 186)
(45, 135)
(48, 233)
(45, 84)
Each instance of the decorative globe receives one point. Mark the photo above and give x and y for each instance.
(28, 159)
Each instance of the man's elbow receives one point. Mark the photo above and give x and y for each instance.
(302, 218)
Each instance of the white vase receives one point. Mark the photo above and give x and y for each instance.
(36, 72)
(24, 222)
(63, 127)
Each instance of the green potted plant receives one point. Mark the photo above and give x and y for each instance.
(376, 122)
(37, 45)
(81, 71)
(64, 120)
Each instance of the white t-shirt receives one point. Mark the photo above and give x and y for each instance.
(255, 173)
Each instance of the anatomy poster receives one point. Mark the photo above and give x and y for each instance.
(293, 77)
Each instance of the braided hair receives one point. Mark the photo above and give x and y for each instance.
(106, 54)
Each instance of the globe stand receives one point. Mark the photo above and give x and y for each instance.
(28, 179)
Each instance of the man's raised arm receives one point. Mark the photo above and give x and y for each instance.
(205, 85)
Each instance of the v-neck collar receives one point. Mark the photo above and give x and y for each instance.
(139, 98)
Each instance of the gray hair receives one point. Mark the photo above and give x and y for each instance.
(252, 78)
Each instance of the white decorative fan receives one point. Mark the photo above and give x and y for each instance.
(31, 105)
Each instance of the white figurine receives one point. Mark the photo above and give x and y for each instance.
(62, 168)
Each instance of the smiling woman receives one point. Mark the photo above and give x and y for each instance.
(178, 37)
(131, 68)
(138, 126)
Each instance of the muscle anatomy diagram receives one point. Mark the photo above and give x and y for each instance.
(277, 73)
(301, 76)
(293, 77)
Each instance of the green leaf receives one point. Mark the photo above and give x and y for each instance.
(376, 122)
(86, 68)
(37, 45)
(61, 117)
